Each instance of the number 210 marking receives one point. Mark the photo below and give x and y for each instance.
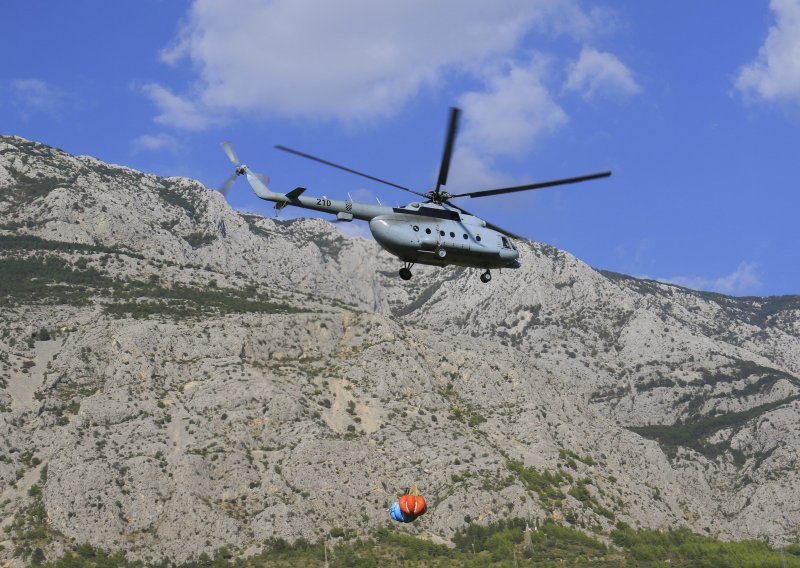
(323, 201)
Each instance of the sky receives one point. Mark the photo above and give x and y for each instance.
(694, 107)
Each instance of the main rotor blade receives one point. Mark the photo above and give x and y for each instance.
(488, 224)
(532, 186)
(452, 128)
(352, 171)
(506, 233)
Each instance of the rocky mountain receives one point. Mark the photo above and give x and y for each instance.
(176, 376)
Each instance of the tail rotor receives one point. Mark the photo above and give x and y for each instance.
(230, 153)
(225, 187)
(241, 169)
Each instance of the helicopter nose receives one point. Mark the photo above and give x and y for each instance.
(510, 257)
(509, 254)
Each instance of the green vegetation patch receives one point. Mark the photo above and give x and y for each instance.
(27, 189)
(740, 370)
(570, 458)
(329, 246)
(194, 207)
(695, 432)
(505, 543)
(185, 301)
(197, 240)
(545, 484)
(252, 224)
(31, 242)
(468, 414)
(684, 548)
(48, 279)
(580, 491)
(30, 531)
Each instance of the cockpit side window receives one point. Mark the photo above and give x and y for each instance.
(505, 243)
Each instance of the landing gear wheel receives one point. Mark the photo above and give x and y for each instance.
(405, 273)
(486, 277)
(441, 253)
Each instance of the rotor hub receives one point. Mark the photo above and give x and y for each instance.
(437, 197)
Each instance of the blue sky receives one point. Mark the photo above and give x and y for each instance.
(695, 106)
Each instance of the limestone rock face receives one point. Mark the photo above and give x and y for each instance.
(176, 376)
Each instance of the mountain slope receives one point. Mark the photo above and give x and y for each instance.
(177, 376)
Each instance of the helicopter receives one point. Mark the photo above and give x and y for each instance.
(432, 231)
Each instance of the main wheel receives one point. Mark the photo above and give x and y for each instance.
(486, 277)
(441, 253)
(405, 273)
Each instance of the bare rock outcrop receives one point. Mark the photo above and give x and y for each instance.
(176, 376)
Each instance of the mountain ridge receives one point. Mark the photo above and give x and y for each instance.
(229, 378)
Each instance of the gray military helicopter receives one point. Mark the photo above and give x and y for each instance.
(434, 231)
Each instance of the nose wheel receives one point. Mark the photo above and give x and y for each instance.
(405, 272)
(486, 277)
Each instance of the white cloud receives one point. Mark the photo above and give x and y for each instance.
(156, 142)
(742, 281)
(472, 170)
(177, 111)
(359, 60)
(350, 60)
(596, 72)
(514, 110)
(775, 74)
(34, 96)
(505, 119)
